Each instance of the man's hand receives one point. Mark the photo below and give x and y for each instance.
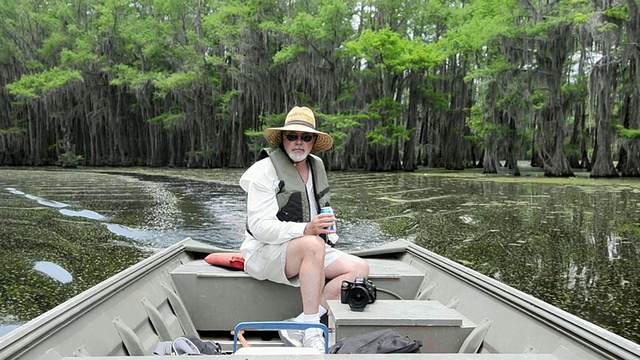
(320, 225)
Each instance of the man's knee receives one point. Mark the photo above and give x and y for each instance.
(361, 267)
(357, 266)
(309, 245)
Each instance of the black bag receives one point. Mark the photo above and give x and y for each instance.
(384, 341)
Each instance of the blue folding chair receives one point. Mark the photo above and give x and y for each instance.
(279, 325)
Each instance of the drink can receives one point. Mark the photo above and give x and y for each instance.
(328, 210)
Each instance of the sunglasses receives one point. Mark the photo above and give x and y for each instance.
(304, 137)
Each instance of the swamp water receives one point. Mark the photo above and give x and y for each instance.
(573, 243)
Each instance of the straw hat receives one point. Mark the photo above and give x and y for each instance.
(300, 119)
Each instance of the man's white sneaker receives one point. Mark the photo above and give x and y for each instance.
(291, 337)
(314, 340)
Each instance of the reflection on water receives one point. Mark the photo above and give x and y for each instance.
(87, 214)
(576, 247)
(127, 231)
(41, 201)
(8, 327)
(54, 271)
(612, 247)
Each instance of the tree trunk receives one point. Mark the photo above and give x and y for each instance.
(409, 153)
(600, 89)
(630, 111)
(511, 147)
(551, 56)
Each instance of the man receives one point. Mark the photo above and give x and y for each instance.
(286, 188)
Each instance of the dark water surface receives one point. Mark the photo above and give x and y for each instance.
(572, 243)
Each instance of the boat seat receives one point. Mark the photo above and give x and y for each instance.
(214, 295)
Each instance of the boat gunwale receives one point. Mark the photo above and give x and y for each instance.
(40, 328)
(586, 333)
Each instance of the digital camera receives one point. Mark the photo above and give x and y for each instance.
(358, 293)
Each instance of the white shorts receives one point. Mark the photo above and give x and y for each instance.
(268, 261)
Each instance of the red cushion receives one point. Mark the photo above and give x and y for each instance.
(228, 260)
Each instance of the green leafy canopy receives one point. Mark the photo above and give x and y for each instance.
(33, 86)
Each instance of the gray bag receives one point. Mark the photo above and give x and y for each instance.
(383, 341)
(188, 345)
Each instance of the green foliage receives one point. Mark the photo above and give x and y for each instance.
(313, 28)
(13, 130)
(627, 134)
(384, 112)
(256, 141)
(479, 22)
(225, 24)
(338, 126)
(511, 98)
(539, 98)
(272, 120)
(53, 45)
(385, 108)
(175, 82)
(617, 12)
(385, 135)
(386, 50)
(35, 85)
(79, 57)
(168, 119)
(131, 77)
(288, 53)
(490, 70)
(572, 150)
(345, 56)
(480, 127)
(228, 96)
(439, 100)
(578, 11)
(70, 160)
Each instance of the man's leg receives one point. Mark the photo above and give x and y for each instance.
(305, 258)
(346, 267)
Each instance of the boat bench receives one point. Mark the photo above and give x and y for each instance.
(214, 296)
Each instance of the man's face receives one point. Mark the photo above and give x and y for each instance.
(298, 144)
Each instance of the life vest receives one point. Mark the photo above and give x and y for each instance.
(293, 202)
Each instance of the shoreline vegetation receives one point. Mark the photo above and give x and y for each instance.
(398, 84)
(529, 174)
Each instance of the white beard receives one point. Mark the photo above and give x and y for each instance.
(296, 158)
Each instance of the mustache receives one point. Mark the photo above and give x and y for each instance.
(298, 148)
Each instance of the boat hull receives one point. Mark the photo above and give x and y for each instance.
(176, 291)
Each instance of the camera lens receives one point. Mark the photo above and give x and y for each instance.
(358, 298)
